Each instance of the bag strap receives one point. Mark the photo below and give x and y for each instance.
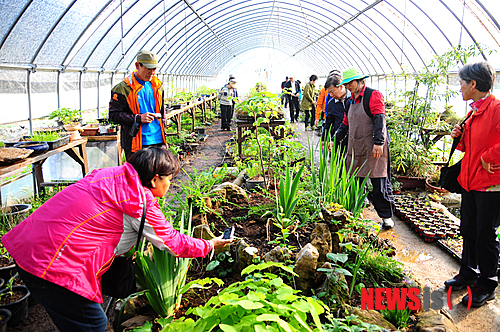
(456, 140)
(143, 221)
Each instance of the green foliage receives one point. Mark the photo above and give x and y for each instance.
(46, 136)
(286, 203)
(66, 115)
(222, 264)
(8, 286)
(197, 189)
(205, 90)
(379, 269)
(183, 97)
(415, 117)
(163, 276)
(349, 323)
(260, 303)
(399, 318)
(336, 182)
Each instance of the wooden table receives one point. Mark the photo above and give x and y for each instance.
(241, 124)
(202, 104)
(76, 150)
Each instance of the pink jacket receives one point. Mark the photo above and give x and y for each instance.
(72, 239)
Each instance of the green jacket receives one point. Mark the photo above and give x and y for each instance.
(307, 97)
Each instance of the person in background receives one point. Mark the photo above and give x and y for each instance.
(368, 141)
(226, 103)
(284, 99)
(480, 180)
(235, 95)
(293, 98)
(67, 244)
(337, 104)
(307, 104)
(321, 106)
(138, 101)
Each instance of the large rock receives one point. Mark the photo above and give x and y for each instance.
(372, 317)
(204, 232)
(435, 321)
(336, 221)
(230, 191)
(244, 255)
(305, 267)
(278, 255)
(321, 239)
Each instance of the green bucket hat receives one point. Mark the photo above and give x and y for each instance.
(352, 74)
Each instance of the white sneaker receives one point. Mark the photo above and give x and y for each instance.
(387, 223)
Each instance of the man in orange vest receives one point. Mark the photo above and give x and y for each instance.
(137, 105)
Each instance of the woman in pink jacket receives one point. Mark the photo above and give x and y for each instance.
(65, 246)
(480, 180)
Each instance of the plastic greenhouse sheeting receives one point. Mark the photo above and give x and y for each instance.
(378, 36)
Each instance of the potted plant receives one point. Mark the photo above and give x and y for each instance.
(52, 138)
(255, 178)
(66, 116)
(15, 299)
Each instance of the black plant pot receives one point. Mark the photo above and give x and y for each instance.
(19, 308)
(7, 272)
(255, 184)
(5, 317)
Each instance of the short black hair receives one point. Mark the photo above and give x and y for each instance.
(334, 72)
(151, 161)
(333, 79)
(313, 78)
(286, 78)
(481, 72)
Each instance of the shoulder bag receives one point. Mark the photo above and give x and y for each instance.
(119, 280)
(448, 178)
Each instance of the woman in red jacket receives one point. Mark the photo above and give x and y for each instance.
(480, 179)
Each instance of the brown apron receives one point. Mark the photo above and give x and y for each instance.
(360, 144)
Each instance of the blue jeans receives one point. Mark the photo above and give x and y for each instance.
(69, 311)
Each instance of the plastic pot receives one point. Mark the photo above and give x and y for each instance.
(8, 271)
(37, 147)
(255, 184)
(5, 315)
(19, 308)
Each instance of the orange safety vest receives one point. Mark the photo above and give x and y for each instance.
(133, 103)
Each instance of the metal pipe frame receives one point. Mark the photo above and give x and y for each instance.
(215, 21)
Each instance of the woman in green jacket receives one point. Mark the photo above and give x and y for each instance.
(308, 103)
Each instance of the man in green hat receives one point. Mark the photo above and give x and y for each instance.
(368, 141)
(137, 105)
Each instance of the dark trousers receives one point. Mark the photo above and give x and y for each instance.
(329, 127)
(294, 108)
(69, 311)
(225, 111)
(381, 196)
(310, 117)
(284, 100)
(480, 214)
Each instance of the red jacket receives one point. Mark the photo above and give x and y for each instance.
(481, 138)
